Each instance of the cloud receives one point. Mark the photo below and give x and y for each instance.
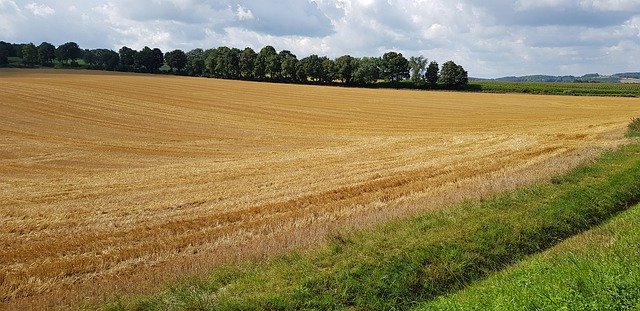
(490, 38)
(40, 10)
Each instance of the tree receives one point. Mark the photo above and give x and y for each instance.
(29, 54)
(313, 67)
(176, 59)
(267, 62)
(4, 60)
(367, 70)
(301, 71)
(210, 62)
(127, 58)
(46, 53)
(7, 49)
(68, 52)
(195, 62)
(90, 58)
(246, 62)
(226, 62)
(453, 75)
(417, 65)
(345, 66)
(330, 71)
(108, 59)
(394, 66)
(288, 62)
(157, 60)
(142, 59)
(432, 73)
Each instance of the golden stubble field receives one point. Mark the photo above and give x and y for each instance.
(114, 183)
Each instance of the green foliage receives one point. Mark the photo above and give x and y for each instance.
(634, 128)
(597, 270)
(394, 67)
(46, 53)
(29, 54)
(176, 59)
(433, 72)
(195, 62)
(417, 65)
(68, 52)
(560, 88)
(288, 63)
(407, 261)
(453, 75)
(345, 66)
(367, 71)
(127, 58)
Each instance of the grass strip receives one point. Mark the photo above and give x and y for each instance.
(596, 270)
(634, 128)
(402, 263)
(558, 88)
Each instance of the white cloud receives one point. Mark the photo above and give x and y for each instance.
(243, 14)
(40, 10)
(490, 38)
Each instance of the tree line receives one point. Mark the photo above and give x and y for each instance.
(267, 64)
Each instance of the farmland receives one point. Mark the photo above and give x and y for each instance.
(558, 88)
(113, 183)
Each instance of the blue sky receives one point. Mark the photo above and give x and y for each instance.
(490, 38)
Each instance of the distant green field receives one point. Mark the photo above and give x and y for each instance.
(558, 88)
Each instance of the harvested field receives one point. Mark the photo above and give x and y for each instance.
(114, 183)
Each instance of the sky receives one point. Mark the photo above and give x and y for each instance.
(489, 38)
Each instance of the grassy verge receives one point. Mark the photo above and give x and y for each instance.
(559, 88)
(397, 265)
(634, 128)
(597, 270)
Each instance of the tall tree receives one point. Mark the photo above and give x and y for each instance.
(453, 75)
(246, 62)
(330, 71)
(267, 63)
(288, 63)
(176, 59)
(7, 49)
(301, 71)
(226, 62)
(127, 58)
(210, 61)
(432, 73)
(417, 65)
(46, 53)
(90, 58)
(108, 59)
(195, 62)
(29, 54)
(68, 52)
(4, 59)
(345, 66)
(142, 59)
(367, 70)
(394, 66)
(313, 67)
(157, 60)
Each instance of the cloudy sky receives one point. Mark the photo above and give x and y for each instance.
(490, 38)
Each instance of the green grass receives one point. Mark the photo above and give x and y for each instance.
(558, 88)
(405, 262)
(597, 270)
(634, 128)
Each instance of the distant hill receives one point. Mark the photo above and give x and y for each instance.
(592, 77)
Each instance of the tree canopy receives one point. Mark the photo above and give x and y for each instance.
(233, 63)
